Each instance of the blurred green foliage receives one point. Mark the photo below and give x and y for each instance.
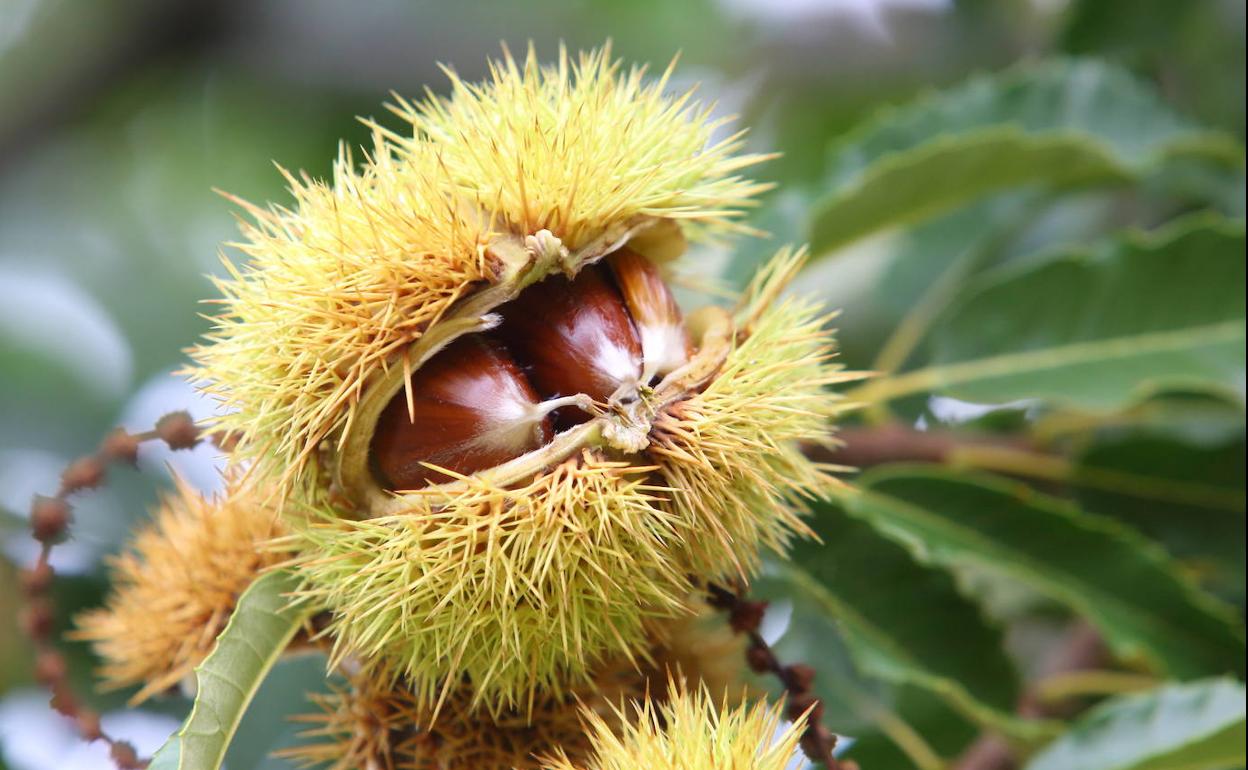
(972, 193)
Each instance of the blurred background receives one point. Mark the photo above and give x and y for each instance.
(118, 118)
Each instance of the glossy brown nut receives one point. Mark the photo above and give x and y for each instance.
(472, 409)
(573, 336)
(664, 342)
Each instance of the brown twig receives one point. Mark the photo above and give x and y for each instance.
(50, 519)
(745, 616)
(865, 447)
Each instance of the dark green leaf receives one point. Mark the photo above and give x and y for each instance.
(1188, 497)
(1125, 585)
(1187, 44)
(899, 618)
(1062, 123)
(901, 727)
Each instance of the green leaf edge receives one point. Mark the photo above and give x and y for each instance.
(1098, 165)
(852, 500)
(1022, 74)
(951, 691)
(202, 740)
(1197, 142)
(1231, 732)
(944, 378)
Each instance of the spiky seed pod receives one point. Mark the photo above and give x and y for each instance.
(527, 579)
(532, 565)
(342, 284)
(382, 725)
(688, 731)
(730, 452)
(512, 586)
(174, 589)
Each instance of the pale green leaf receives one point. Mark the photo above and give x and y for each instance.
(261, 627)
(1095, 328)
(1195, 726)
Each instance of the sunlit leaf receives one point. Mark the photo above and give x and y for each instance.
(259, 630)
(1196, 726)
(1096, 328)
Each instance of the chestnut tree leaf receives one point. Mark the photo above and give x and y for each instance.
(1094, 328)
(1194, 726)
(891, 725)
(1193, 503)
(261, 627)
(1123, 583)
(896, 615)
(1063, 123)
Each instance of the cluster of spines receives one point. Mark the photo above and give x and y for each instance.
(174, 589)
(691, 730)
(335, 289)
(349, 276)
(730, 453)
(577, 146)
(373, 722)
(586, 542)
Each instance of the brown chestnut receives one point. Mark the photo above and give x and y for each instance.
(573, 337)
(664, 341)
(472, 408)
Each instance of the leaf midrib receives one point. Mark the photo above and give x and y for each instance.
(1070, 354)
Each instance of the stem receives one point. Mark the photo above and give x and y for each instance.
(867, 447)
(49, 525)
(744, 616)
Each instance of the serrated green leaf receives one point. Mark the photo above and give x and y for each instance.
(1095, 329)
(901, 727)
(1196, 726)
(1188, 497)
(896, 616)
(1063, 123)
(261, 627)
(1121, 582)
